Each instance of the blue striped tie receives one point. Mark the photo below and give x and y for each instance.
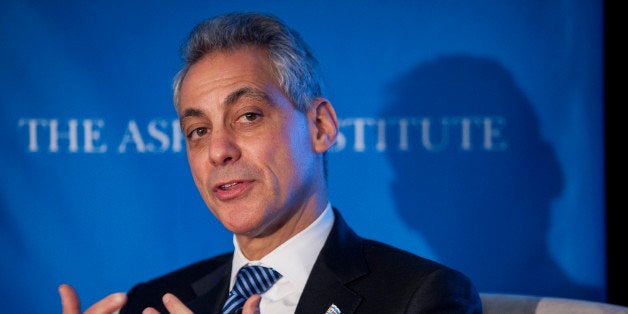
(250, 280)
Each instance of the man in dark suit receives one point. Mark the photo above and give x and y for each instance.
(257, 127)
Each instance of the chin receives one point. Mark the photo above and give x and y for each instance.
(241, 221)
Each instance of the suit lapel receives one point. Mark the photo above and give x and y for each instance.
(211, 290)
(341, 261)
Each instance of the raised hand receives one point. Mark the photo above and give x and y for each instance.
(71, 304)
(172, 304)
(175, 306)
(112, 303)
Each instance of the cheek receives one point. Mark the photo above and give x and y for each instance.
(301, 144)
(197, 168)
(297, 154)
(281, 153)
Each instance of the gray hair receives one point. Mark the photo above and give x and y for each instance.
(296, 69)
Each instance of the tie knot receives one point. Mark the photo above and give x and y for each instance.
(255, 280)
(249, 281)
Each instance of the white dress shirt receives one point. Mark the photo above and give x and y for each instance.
(294, 259)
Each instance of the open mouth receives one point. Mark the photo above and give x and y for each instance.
(227, 186)
(232, 190)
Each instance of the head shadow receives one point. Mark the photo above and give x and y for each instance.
(474, 176)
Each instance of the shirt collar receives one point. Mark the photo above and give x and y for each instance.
(294, 258)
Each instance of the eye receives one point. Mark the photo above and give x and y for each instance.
(251, 116)
(198, 132)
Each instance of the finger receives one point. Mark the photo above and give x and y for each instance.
(251, 306)
(108, 305)
(70, 303)
(174, 305)
(150, 310)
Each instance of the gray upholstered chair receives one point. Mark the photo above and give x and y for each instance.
(496, 303)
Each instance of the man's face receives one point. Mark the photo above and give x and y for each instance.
(249, 149)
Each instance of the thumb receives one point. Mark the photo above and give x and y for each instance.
(251, 306)
(70, 302)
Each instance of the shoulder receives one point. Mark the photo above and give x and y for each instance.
(382, 258)
(379, 257)
(423, 283)
(419, 284)
(411, 270)
(395, 280)
(389, 258)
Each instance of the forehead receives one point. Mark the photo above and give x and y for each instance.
(226, 69)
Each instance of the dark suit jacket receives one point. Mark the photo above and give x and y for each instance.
(356, 274)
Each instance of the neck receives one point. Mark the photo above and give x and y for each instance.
(255, 248)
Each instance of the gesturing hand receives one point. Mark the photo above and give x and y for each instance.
(71, 304)
(110, 304)
(175, 306)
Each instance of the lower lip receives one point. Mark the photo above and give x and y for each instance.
(232, 192)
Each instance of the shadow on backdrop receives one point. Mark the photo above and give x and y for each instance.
(473, 175)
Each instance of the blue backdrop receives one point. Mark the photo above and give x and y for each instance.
(471, 133)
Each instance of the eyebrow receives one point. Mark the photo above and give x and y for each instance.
(245, 92)
(191, 112)
(232, 98)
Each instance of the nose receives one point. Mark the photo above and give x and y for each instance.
(223, 149)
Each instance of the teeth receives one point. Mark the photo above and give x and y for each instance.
(226, 186)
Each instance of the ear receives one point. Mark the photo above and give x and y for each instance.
(323, 124)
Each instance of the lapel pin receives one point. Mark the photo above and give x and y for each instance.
(333, 309)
